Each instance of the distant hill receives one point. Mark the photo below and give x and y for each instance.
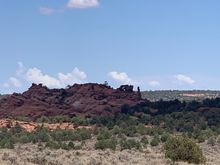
(80, 99)
(186, 95)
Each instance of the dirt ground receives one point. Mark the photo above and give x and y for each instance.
(30, 154)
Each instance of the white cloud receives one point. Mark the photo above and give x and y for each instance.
(82, 3)
(120, 77)
(76, 76)
(21, 69)
(14, 82)
(154, 83)
(35, 75)
(184, 79)
(46, 10)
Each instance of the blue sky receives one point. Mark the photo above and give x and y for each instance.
(154, 44)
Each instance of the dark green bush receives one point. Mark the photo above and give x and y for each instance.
(104, 133)
(164, 137)
(53, 145)
(129, 144)
(155, 141)
(106, 144)
(182, 148)
(144, 141)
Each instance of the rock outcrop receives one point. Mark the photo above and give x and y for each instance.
(80, 99)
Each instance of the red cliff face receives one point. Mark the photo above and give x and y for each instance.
(79, 99)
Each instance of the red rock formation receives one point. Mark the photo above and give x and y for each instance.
(79, 99)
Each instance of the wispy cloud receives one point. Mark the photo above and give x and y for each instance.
(121, 77)
(154, 83)
(184, 79)
(83, 4)
(71, 4)
(46, 10)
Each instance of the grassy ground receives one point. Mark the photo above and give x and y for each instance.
(30, 154)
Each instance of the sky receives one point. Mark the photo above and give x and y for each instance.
(154, 44)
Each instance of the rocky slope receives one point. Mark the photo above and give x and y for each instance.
(79, 99)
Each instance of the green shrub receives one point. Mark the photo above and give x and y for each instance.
(53, 145)
(145, 119)
(106, 144)
(164, 137)
(130, 131)
(144, 141)
(7, 143)
(182, 148)
(42, 135)
(24, 138)
(201, 138)
(104, 133)
(116, 130)
(79, 121)
(155, 141)
(43, 119)
(141, 129)
(129, 144)
(84, 134)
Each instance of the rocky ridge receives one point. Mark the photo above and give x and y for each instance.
(79, 99)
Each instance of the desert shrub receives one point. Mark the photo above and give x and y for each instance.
(59, 119)
(145, 119)
(62, 135)
(164, 137)
(16, 129)
(182, 148)
(106, 144)
(212, 141)
(129, 144)
(155, 141)
(53, 145)
(104, 133)
(23, 138)
(43, 119)
(144, 141)
(84, 134)
(71, 145)
(141, 129)
(78, 120)
(201, 138)
(42, 134)
(7, 143)
(68, 135)
(130, 131)
(116, 130)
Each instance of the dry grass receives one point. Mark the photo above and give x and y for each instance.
(30, 154)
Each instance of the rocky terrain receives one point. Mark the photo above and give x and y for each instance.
(86, 99)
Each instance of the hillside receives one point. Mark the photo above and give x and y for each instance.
(87, 100)
(3, 96)
(186, 95)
